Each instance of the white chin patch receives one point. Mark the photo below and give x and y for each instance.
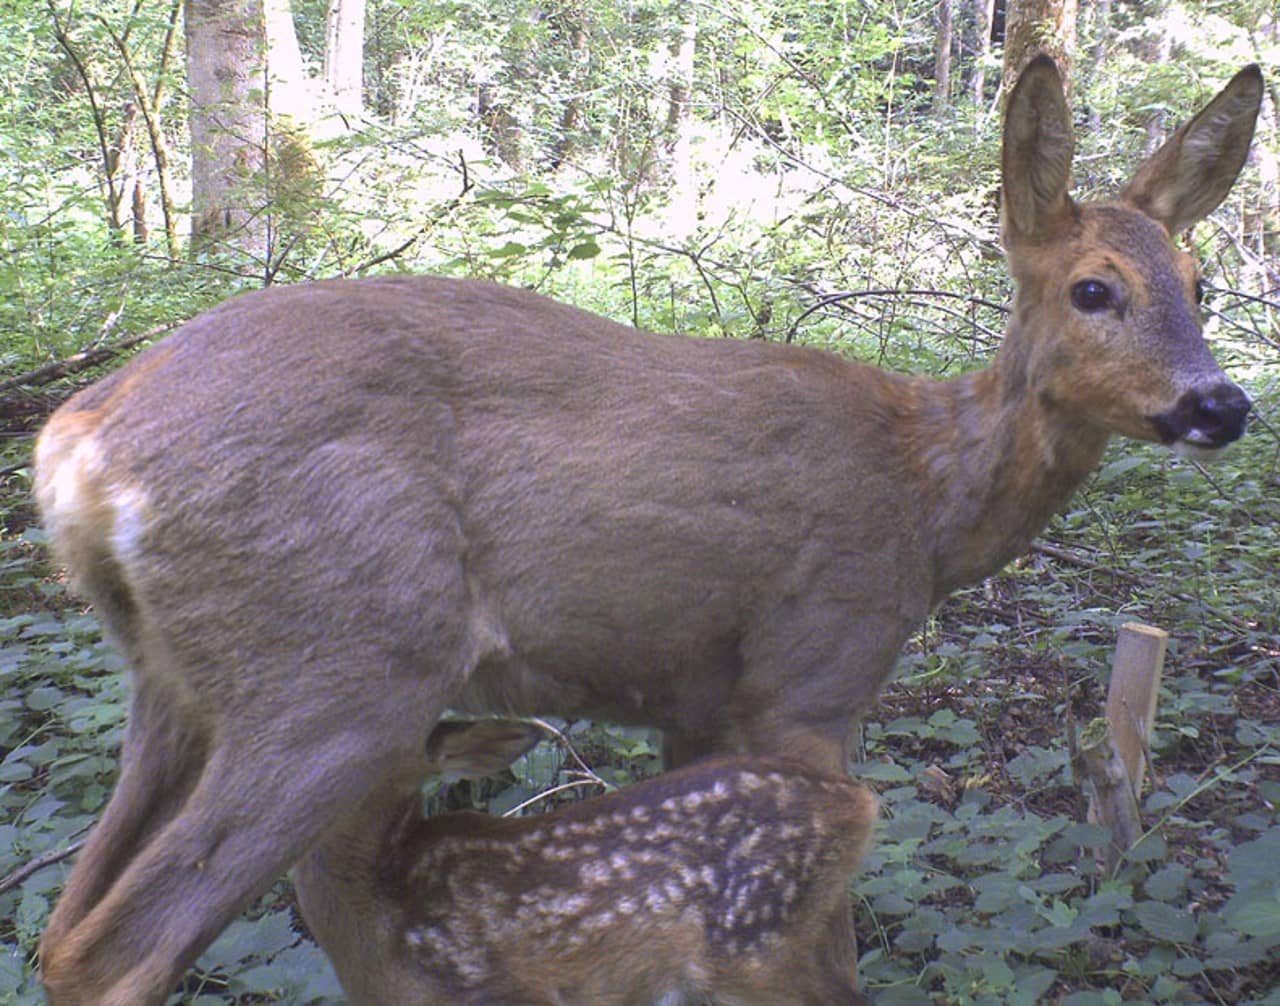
(1193, 451)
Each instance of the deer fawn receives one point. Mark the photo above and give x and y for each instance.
(320, 514)
(726, 879)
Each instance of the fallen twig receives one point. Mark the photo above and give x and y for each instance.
(82, 360)
(35, 865)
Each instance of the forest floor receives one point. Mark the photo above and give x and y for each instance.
(1174, 924)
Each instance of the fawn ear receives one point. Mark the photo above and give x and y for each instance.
(1186, 179)
(461, 750)
(1036, 155)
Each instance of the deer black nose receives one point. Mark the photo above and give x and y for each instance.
(1206, 417)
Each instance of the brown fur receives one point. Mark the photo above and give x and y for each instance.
(726, 879)
(318, 515)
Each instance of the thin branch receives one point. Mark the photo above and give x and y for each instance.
(590, 778)
(83, 360)
(149, 105)
(12, 880)
(538, 797)
(837, 298)
(91, 94)
(573, 751)
(394, 253)
(1084, 562)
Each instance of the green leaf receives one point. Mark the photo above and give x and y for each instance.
(45, 698)
(1164, 922)
(1149, 849)
(12, 966)
(509, 250)
(1169, 883)
(1121, 466)
(1255, 862)
(882, 772)
(1255, 915)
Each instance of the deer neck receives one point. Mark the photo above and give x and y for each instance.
(342, 869)
(994, 460)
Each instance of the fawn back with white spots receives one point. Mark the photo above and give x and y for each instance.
(724, 881)
(320, 514)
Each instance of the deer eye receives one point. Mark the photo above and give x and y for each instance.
(1091, 295)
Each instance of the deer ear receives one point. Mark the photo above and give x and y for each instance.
(1036, 157)
(1186, 179)
(468, 750)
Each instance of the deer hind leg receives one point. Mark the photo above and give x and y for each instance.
(838, 963)
(161, 762)
(243, 802)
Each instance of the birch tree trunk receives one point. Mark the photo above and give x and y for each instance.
(344, 55)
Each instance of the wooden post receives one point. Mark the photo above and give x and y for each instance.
(1114, 750)
(1131, 697)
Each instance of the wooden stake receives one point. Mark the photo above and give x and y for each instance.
(1114, 750)
(1131, 698)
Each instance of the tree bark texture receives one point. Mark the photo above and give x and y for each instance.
(226, 75)
(571, 119)
(980, 14)
(1033, 27)
(942, 57)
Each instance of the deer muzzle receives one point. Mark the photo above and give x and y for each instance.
(1206, 417)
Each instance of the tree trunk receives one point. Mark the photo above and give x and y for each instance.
(1262, 218)
(504, 134)
(942, 57)
(141, 232)
(980, 47)
(1033, 27)
(150, 103)
(122, 169)
(680, 108)
(253, 176)
(580, 58)
(290, 92)
(226, 76)
(1102, 32)
(1158, 51)
(109, 147)
(344, 55)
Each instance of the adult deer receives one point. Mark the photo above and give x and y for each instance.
(320, 514)
(724, 880)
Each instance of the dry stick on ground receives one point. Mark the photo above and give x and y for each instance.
(82, 360)
(32, 866)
